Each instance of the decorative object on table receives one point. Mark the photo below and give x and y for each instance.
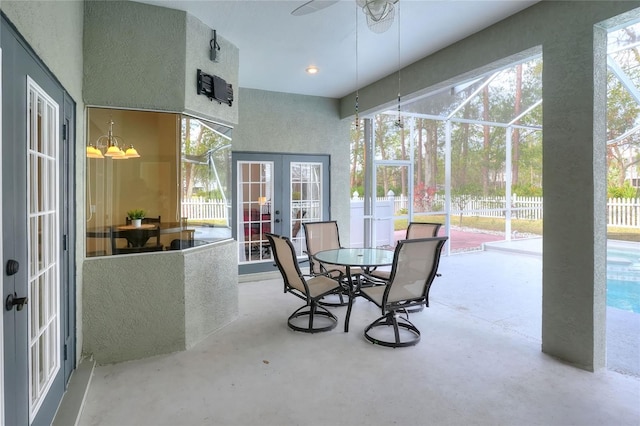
(136, 216)
(310, 288)
(415, 266)
(113, 146)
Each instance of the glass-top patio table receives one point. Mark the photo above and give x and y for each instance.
(364, 258)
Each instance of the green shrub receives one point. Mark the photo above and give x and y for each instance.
(527, 190)
(626, 191)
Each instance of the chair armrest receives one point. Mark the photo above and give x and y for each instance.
(326, 274)
(373, 279)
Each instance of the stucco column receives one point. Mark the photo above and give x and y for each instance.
(574, 244)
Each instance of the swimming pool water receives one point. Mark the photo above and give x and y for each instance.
(623, 295)
(623, 279)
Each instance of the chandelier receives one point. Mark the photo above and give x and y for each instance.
(379, 13)
(113, 145)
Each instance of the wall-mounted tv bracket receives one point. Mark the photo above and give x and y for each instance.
(215, 87)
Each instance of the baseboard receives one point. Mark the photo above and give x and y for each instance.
(73, 399)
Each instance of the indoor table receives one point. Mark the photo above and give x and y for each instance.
(136, 235)
(365, 258)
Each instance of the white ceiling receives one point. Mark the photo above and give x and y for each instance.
(276, 47)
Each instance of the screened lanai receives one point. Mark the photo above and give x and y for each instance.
(470, 155)
(467, 154)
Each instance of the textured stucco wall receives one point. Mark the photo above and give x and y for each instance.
(574, 257)
(146, 57)
(286, 123)
(60, 46)
(134, 56)
(211, 289)
(136, 306)
(198, 57)
(574, 281)
(133, 306)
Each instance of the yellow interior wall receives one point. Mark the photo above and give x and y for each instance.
(150, 182)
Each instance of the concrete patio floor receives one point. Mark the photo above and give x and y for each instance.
(479, 363)
(623, 327)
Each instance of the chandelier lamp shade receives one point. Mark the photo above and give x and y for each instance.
(114, 146)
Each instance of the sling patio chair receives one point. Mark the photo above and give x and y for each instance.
(310, 288)
(324, 235)
(422, 230)
(415, 266)
(414, 230)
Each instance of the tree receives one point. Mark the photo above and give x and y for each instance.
(477, 149)
(202, 150)
(515, 140)
(622, 109)
(357, 155)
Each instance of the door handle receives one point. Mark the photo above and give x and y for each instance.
(13, 300)
(277, 220)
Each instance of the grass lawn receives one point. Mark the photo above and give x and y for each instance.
(624, 234)
(211, 222)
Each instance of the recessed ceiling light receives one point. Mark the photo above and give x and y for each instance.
(312, 69)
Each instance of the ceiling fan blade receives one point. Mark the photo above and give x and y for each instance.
(312, 6)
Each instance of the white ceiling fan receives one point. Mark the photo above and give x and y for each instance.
(379, 13)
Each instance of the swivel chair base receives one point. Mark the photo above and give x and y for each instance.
(335, 300)
(313, 312)
(404, 332)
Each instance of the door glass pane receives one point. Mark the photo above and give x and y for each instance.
(255, 198)
(391, 204)
(306, 200)
(43, 244)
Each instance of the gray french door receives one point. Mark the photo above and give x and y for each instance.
(276, 193)
(37, 287)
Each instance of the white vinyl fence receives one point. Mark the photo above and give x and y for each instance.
(197, 208)
(623, 212)
(469, 205)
